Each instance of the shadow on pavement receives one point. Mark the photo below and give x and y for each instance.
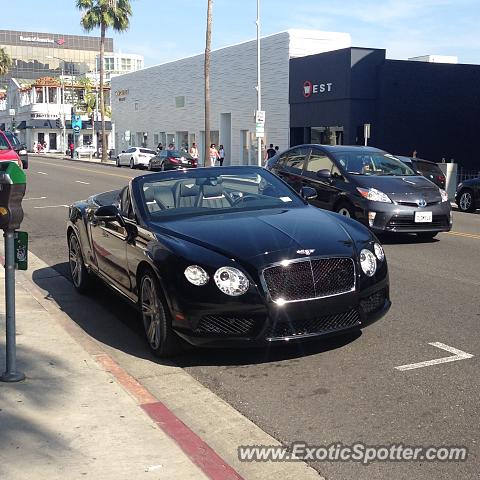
(111, 320)
(404, 239)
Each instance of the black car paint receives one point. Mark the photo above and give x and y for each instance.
(168, 247)
(340, 187)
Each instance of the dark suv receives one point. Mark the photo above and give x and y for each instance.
(426, 168)
(367, 184)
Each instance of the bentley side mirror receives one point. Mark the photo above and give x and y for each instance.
(324, 173)
(308, 193)
(107, 213)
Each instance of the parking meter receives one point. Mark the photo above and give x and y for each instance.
(12, 190)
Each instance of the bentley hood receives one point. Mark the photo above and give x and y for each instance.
(266, 236)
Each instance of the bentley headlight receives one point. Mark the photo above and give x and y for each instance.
(196, 275)
(231, 281)
(368, 262)
(374, 195)
(444, 195)
(379, 253)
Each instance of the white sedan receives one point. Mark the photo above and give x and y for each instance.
(135, 157)
(86, 150)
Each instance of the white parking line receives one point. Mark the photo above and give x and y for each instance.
(38, 198)
(53, 206)
(42, 173)
(457, 355)
(83, 183)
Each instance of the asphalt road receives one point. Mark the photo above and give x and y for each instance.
(345, 390)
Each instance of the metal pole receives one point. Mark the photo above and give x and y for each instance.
(11, 374)
(64, 148)
(259, 82)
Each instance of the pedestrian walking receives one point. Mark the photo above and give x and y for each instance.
(213, 155)
(270, 152)
(221, 155)
(72, 148)
(171, 146)
(159, 147)
(194, 151)
(277, 149)
(35, 147)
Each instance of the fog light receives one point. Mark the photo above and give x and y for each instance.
(371, 218)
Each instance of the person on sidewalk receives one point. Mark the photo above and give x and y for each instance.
(221, 155)
(72, 148)
(194, 152)
(213, 154)
(270, 152)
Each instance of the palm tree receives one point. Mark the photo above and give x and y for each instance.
(208, 49)
(5, 62)
(104, 14)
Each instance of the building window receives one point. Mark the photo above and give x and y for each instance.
(52, 94)
(136, 106)
(126, 63)
(180, 102)
(39, 95)
(110, 64)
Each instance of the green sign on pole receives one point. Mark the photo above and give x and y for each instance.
(21, 250)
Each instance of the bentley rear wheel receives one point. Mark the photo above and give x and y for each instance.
(161, 338)
(81, 279)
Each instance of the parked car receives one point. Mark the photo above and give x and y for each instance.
(19, 147)
(426, 168)
(135, 157)
(228, 256)
(172, 160)
(86, 150)
(369, 185)
(7, 151)
(468, 195)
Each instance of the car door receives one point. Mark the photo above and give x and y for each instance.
(318, 174)
(289, 167)
(109, 241)
(125, 157)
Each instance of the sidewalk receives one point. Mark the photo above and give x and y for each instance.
(61, 156)
(70, 418)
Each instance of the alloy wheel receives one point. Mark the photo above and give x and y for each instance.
(152, 313)
(466, 201)
(76, 261)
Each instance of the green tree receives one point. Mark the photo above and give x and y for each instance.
(104, 14)
(5, 62)
(208, 50)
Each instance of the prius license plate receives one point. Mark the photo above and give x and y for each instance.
(423, 217)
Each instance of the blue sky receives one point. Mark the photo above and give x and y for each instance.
(164, 30)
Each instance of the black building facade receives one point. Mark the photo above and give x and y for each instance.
(431, 108)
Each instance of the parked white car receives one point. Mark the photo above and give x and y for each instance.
(135, 157)
(86, 150)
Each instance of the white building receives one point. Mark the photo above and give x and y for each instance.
(165, 103)
(119, 64)
(38, 109)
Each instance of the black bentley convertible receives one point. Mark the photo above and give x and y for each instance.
(228, 256)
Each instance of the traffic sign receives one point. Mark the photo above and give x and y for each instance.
(76, 123)
(260, 116)
(76, 129)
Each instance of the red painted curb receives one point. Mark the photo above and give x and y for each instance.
(199, 452)
(192, 445)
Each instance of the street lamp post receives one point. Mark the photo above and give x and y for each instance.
(259, 84)
(64, 115)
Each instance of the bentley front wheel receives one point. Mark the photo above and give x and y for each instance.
(161, 338)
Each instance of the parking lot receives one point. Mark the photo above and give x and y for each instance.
(346, 390)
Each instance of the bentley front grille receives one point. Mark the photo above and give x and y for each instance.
(314, 326)
(309, 279)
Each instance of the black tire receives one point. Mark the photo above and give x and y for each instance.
(345, 209)
(79, 274)
(132, 163)
(466, 201)
(427, 235)
(157, 325)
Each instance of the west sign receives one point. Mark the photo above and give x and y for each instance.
(310, 88)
